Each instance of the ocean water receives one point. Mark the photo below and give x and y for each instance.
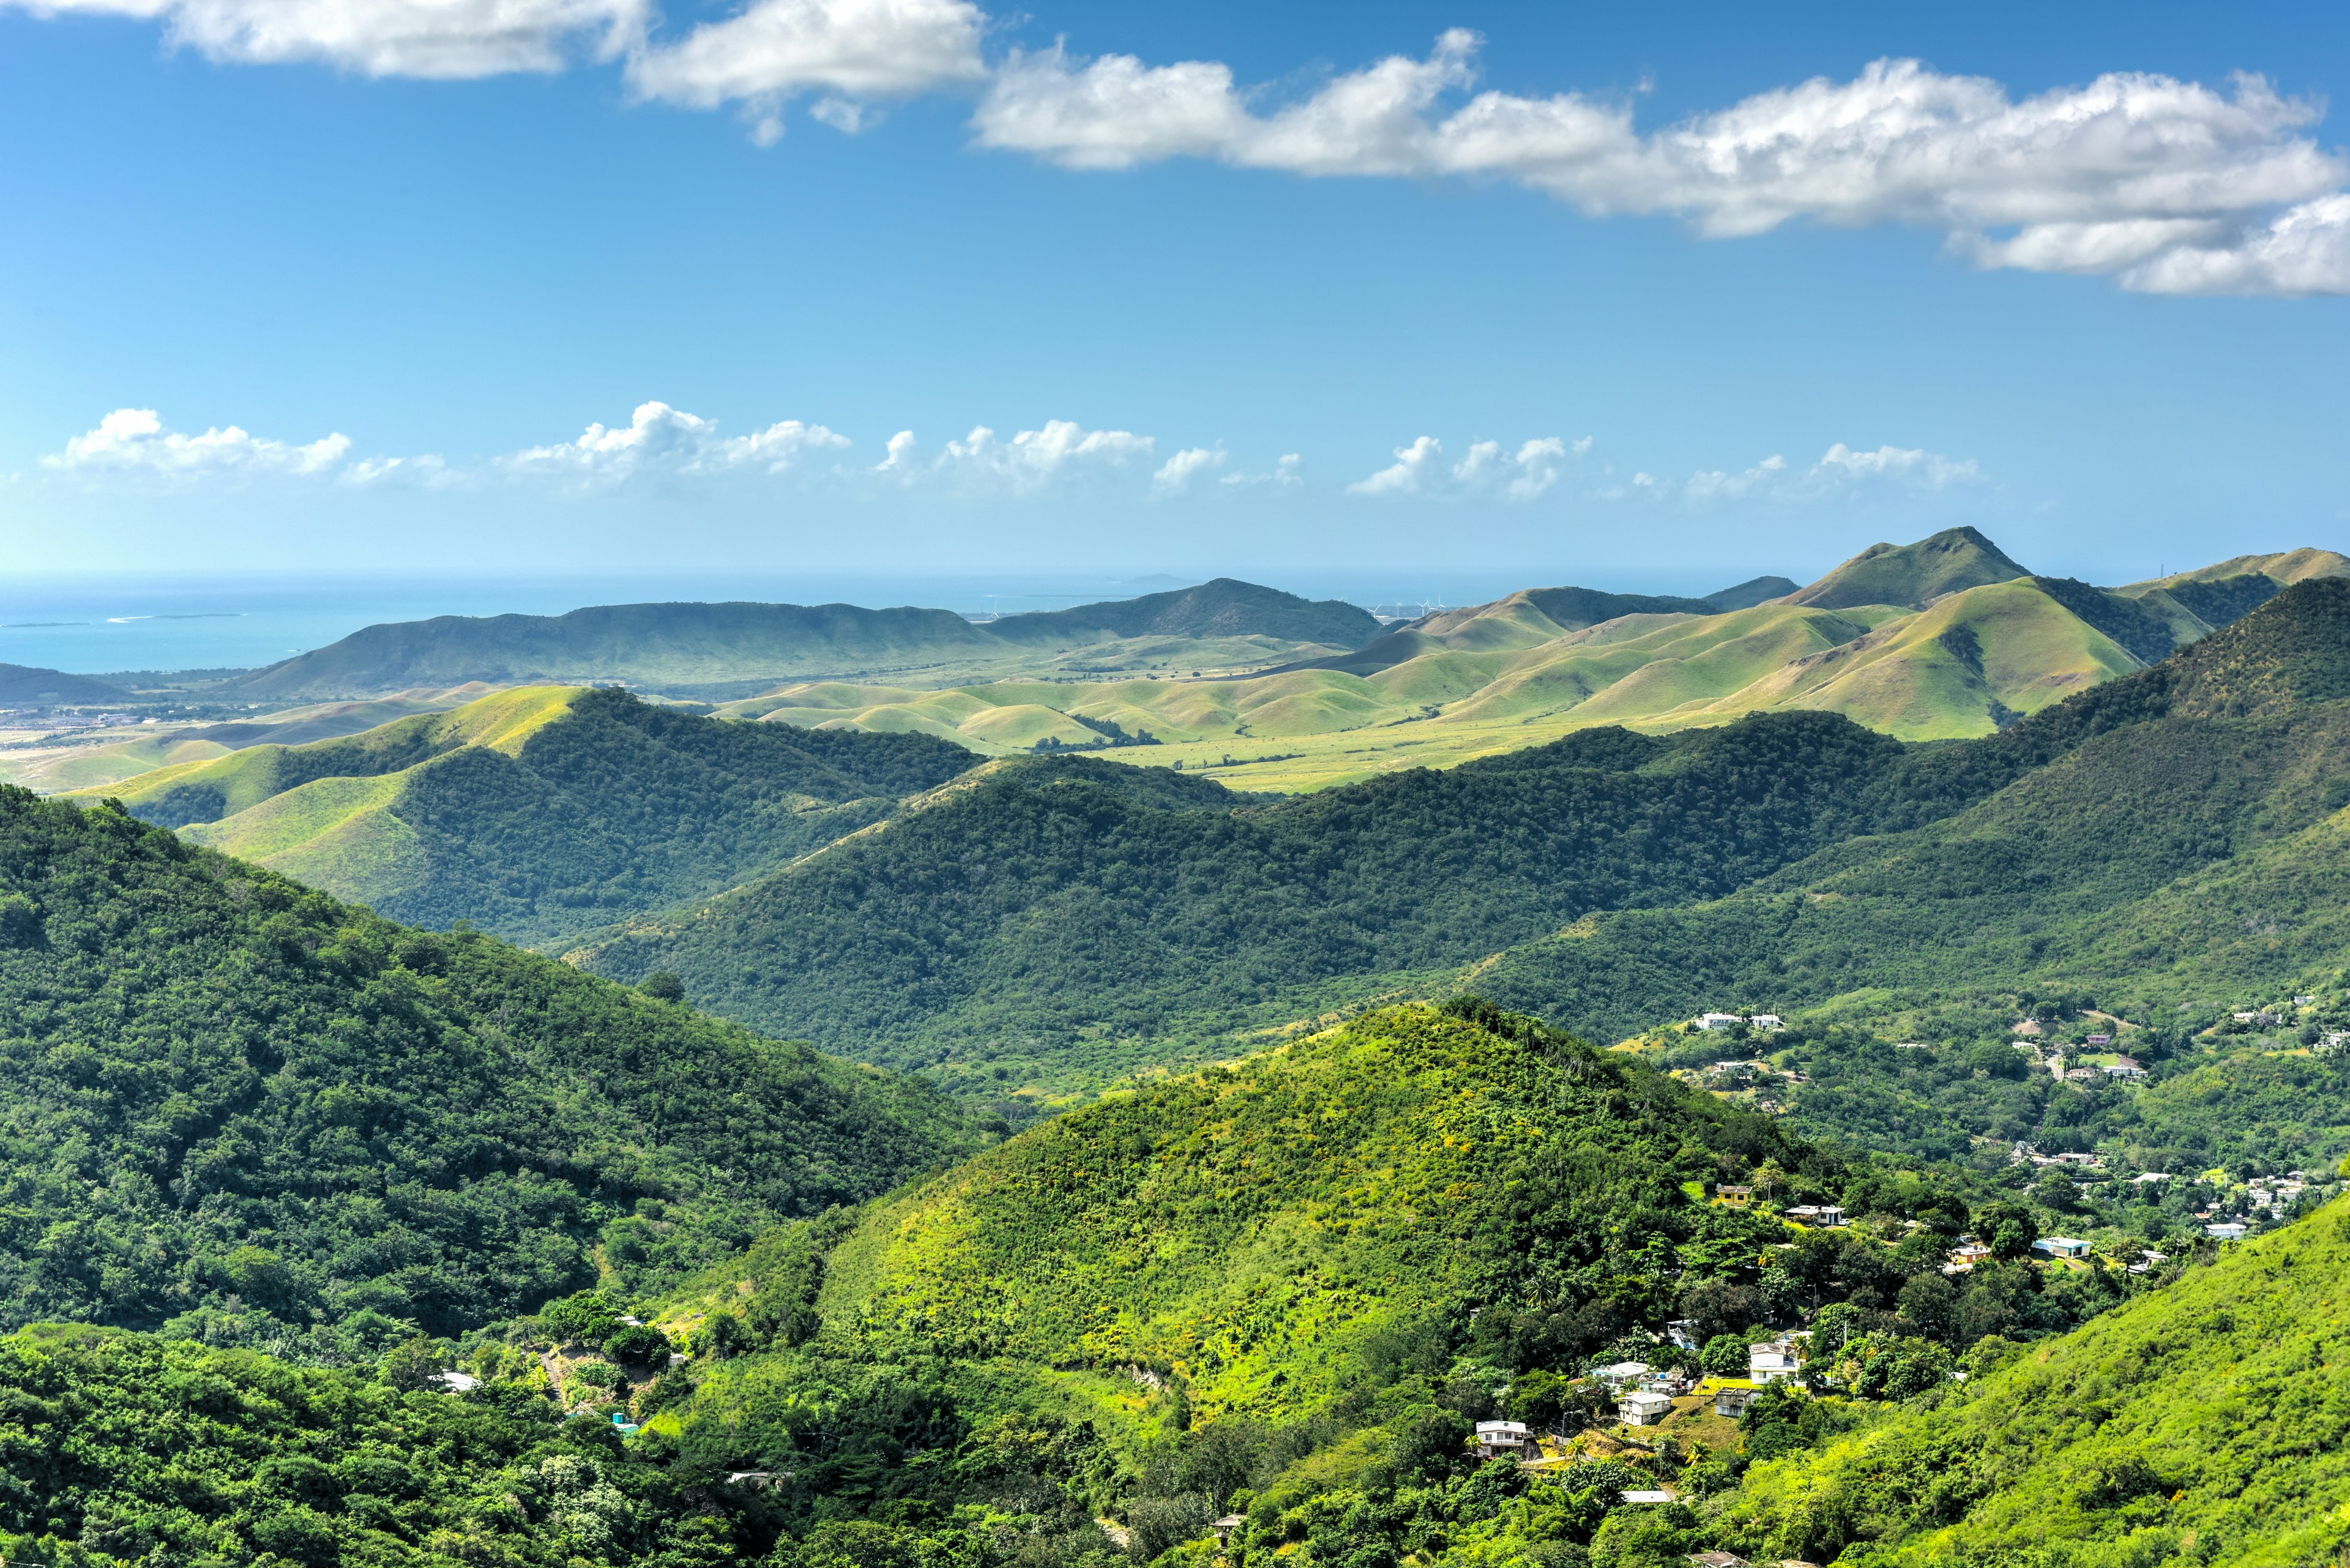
(97, 626)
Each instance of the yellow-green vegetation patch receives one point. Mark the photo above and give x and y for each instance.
(337, 834)
(2208, 1421)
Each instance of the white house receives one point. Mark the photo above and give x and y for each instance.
(1496, 1438)
(1682, 1332)
(1815, 1214)
(1646, 1496)
(455, 1382)
(2062, 1246)
(2229, 1230)
(1621, 1374)
(1769, 1022)
(1732, 1400)
(1769, 1363)
(1710, 1021)
(1644, 1409)
(2125, 1067)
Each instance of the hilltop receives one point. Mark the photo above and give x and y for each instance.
(1223, 607)
(707, 648)
(1947, 639)
(2169, 844)
(1053, 918)
(539, 811)
(240, 1106)
(23, 685)
(1912, 575)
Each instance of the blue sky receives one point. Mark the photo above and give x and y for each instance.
(338, 285)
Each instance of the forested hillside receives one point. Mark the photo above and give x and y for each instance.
(2205, 1423)
(2169, 844)
(270, 1118)
(1054, 914)
(541, 810)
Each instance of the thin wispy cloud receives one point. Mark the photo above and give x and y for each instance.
(667, 445)
(2165, 186)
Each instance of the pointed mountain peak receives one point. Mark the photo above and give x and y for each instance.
(1944, 563)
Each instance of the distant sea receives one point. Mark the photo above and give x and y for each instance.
(94, 625)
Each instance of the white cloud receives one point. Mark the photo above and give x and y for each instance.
(134, 440)
(1840, 470)
(855, 50)
(1932, 469)
(434, 38)
(2173, 186)
(1410, 473)
(1487, 468)
(1175, 475)
(1711, 484)
(1029, 462)
(1285, 473)
(659, 437)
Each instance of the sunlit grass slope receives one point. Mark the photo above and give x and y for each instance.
(207, 791)
(541, 810)
(1248, 1234)
(1467, 689)
(2190, 849)
(2206, 1422)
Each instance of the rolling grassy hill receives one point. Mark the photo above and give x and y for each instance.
(1945, 639)
(706, 649)
(2170, 839)
(92, 759)
(539, 811)
(238, 1104)
(1912, 575)
(2181, 860)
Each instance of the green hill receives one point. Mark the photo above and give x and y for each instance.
(2169, 845)
(539, 811)
(1069, 917)
(1912, 575)
(22, 685)
(2203, 1423)
(239, 1105)
(1991, 645)
(734, 649)
(1224, 608)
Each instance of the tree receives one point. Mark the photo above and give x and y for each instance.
(1725, 1355)
(2008, 1229)
(662, 986)
(410, 1366)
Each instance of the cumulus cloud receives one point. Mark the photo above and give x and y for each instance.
(1488, 468)
(2166, 186)
(1175, 475)
(659, 437)
(134, 440)
(854, 50)
(431, 38)
(1840, 470)
(2170, 186)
